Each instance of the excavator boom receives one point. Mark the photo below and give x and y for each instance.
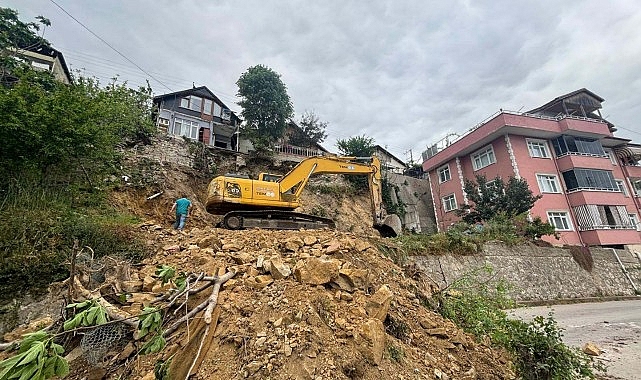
(269, 201)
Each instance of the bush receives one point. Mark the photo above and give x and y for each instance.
(538, 351)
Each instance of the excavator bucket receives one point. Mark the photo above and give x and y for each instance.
(390, 226)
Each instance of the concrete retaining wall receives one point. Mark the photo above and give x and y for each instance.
(542, 274)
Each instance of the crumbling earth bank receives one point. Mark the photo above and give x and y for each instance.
(307, 305)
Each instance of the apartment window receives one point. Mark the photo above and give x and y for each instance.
(548, 183)
(538, 148)
(449, 202)
(589, 179)
(207, 107)
(636, 186)
(621, 186)
(611, 155)
(560, 220)
(185, 128)
(483, 158)
(444, 174)
(634, 220)
(577, 145)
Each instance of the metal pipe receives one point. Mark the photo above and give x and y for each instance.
(625, 271)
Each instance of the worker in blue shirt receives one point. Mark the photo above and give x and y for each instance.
(182, 207)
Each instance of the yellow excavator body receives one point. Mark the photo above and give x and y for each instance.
(270, 199)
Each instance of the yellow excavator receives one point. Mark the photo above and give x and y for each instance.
(269, 201)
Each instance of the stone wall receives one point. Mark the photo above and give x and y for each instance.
(541, 273)
(415, 193)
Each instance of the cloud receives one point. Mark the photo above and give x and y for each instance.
(406, 73)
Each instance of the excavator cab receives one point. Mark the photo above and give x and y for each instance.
(269, 177)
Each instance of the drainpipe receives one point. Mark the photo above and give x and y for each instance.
(625, 271)
(567, 200)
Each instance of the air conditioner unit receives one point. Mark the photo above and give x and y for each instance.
(226, 115)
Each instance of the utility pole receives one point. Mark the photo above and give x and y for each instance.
(409, 151)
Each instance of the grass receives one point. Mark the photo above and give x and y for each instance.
(38, 226)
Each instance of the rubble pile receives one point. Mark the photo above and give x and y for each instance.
(305, 305)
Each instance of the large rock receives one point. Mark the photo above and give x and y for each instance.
(378, 304)
(371, 340)
(316, 271)
(293, 244)
(210, 241)
(350, 279)
(278, 269)
(591, 349)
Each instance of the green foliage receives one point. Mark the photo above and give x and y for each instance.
(491, 198)
(57, 131)
(38, 358)
(88, 313)
(395, 353)
(476, 305)
(312, 131)
(165, 273)
(161, 369)
(150, 321)
(155, 344)
(357, 146)
(38, 225)
(16, 34)
(266, 105)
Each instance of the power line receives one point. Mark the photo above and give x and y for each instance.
(108, 44)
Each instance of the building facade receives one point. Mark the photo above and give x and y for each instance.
(199, 115)
(589, 179)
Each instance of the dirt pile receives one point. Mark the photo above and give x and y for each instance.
(301, 305)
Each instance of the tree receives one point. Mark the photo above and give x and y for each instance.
(492, 198)
(357, 146)
(15, 34)
(266, 105)
(312, 131)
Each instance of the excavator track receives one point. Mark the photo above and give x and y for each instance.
(274, 219)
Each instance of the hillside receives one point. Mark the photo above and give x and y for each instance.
(300, 305)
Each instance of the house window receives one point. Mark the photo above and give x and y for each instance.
(589, 179)
(634, 220)
(483, 158)
(184, 102)
(538, 148)
(449, 202)
(621, 186)
(195, 103)
(207, 107)
(548, 183)
(611, 155)
(185, 128)
(560, 220)
(444, 174)
(217, 109)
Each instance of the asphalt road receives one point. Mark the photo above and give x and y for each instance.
(615, 327)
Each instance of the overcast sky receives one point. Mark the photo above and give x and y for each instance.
(403, 72)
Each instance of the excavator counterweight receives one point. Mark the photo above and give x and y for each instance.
(270, 201)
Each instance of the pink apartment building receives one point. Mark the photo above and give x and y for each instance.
(590, 180)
